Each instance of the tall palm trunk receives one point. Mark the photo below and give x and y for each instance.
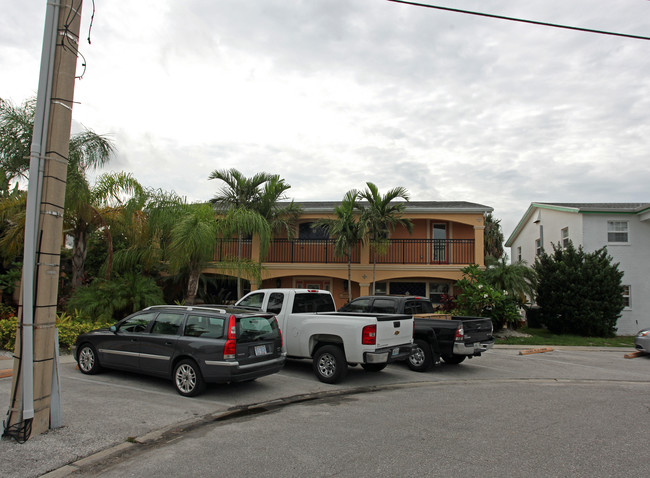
(349, 274)
(192, 286)
(374, 270)
(79, 251)
(239, 254)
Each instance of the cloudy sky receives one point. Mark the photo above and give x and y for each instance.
(330, 94)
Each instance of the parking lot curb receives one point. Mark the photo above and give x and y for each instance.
(74, 467)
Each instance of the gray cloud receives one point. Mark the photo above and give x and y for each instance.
(333, 94)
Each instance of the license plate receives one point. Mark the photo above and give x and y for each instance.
(477, 345)
(396, 351)
(260, 350)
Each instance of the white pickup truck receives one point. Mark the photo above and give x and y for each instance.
(312, 328)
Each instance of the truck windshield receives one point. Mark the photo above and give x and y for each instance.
(310, 302)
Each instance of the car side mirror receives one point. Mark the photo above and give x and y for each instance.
(112, 328)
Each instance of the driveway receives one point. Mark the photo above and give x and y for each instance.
(117, 419)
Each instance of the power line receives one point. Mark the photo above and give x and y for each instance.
(533, 22)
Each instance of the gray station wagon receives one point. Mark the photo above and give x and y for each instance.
(192, 345)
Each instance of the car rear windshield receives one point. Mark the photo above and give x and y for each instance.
(253, 329)
(312, 302)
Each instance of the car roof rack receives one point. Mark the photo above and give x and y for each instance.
(189, 308)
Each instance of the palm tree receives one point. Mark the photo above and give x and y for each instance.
(16, 129)
(86, 150)
(239, 192)
(493, 237)
(346, 229)
(193, 240)
(147, 221)
(381, 216)
(281, 217)
(91, 208)
(516, 279)
(12, 225)
(251, 206)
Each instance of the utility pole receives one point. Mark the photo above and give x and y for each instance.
(35, 379)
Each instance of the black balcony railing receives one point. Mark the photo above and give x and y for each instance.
(322, 251)
(313, 250)
(428, 251)
(229, 248)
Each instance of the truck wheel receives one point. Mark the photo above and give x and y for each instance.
(453, 359)
(374, 367)
(329, 364)
(421, 359)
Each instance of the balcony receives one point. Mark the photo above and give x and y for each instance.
(321, 251)
(428, 251)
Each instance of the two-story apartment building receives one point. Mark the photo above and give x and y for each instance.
(623, 227)
(447, 236)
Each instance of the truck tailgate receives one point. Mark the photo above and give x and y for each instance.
(476, 329)
(394, 330)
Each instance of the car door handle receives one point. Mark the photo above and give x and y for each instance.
(169, 343)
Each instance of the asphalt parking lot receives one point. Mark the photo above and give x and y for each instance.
(111, 416)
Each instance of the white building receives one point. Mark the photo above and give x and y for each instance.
(623, 227)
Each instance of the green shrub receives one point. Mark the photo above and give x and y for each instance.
(69, 328)
(112, 300)
(8, 333)
(578, 292)
(6, 311)
(478, 298)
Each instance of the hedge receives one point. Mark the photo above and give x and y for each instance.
(68, 331)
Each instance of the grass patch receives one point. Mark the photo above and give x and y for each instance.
(544, 337)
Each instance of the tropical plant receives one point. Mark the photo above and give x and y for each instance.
(92, 208)
(346, 229)
(242, 198)
(282, 217)
(380, 216)
(517, 278)
(86, 150)
(579, 292)
(493, 237)
(478, 298)
(193, 240)
(146, 225)
(116, 298)
(12, 225)
(16, 129)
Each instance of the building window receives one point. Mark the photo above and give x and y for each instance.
(617, 231)
(519, 253)
(381, 288)
(437, 290)
(538, 247)
(565, 237)
(626, 296)
(307, 231)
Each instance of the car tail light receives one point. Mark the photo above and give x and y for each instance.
(460, 334)
(231, 343)
(369, 335)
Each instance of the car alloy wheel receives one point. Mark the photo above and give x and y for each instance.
(86, 359)
(185, 378)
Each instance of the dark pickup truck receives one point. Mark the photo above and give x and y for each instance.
(451, 340)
